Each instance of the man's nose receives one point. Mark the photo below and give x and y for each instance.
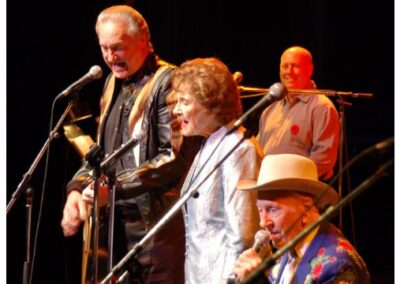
(111, 57)
(266, 222)
(177, 109)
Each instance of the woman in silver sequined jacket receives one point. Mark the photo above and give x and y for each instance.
(220, 221)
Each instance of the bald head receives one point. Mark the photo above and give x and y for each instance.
(300, 51)
(296, 68)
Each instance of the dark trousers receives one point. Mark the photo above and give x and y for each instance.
(161, 259)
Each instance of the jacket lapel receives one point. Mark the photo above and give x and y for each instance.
(282, 264)
(304, 267)
(105, 103)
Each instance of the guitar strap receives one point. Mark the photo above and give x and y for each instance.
(140, 102)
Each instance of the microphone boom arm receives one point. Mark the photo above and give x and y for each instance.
(28, 175)
(328, 93)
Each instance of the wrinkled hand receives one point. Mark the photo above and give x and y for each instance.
(246, 263)
(74, 213)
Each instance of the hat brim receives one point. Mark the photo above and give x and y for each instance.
(314, 188)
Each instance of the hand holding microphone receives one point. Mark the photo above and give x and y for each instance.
(250, 259)
(261, 243)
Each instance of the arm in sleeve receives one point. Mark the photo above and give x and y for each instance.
(161, 118)
(325, 139)
(162, 167)
(153, 176)
(84, 172)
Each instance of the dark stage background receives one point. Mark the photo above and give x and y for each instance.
(50, 44)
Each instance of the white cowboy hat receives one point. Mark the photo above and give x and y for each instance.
(289, 172)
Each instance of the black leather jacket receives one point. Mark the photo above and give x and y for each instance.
(153, 183)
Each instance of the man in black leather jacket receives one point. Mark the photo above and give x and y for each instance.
(133, 104)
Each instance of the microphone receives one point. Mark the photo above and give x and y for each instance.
(238, 76)
(94, 73)
(261, 247)
(381, 147)
(117, 154)
(261, 243)
(276, 92)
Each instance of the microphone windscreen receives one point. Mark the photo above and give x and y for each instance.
(96, 72)
(238, 76)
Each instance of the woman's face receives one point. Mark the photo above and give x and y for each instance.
(195, 118)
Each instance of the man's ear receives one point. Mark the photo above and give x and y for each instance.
(307, 201)
(310, 70)
(143, 41)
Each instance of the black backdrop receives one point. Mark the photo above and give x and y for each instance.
(50, 44)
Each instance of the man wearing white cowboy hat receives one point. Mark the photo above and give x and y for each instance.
(286, 188)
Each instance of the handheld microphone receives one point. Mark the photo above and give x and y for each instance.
(276, 92)
(261, 247)
(94, 73)
(261, 243)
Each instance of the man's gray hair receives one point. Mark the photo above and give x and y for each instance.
(135, 21)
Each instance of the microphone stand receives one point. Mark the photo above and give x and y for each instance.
(28, 175)
(27, 263)
(113, 275)
(329, 93)
(329, 212)
(23, 186)
(104, 166)
(341, 103)
(111, 219)
(94, 158)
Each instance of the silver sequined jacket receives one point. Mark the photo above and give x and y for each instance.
(221, 221)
